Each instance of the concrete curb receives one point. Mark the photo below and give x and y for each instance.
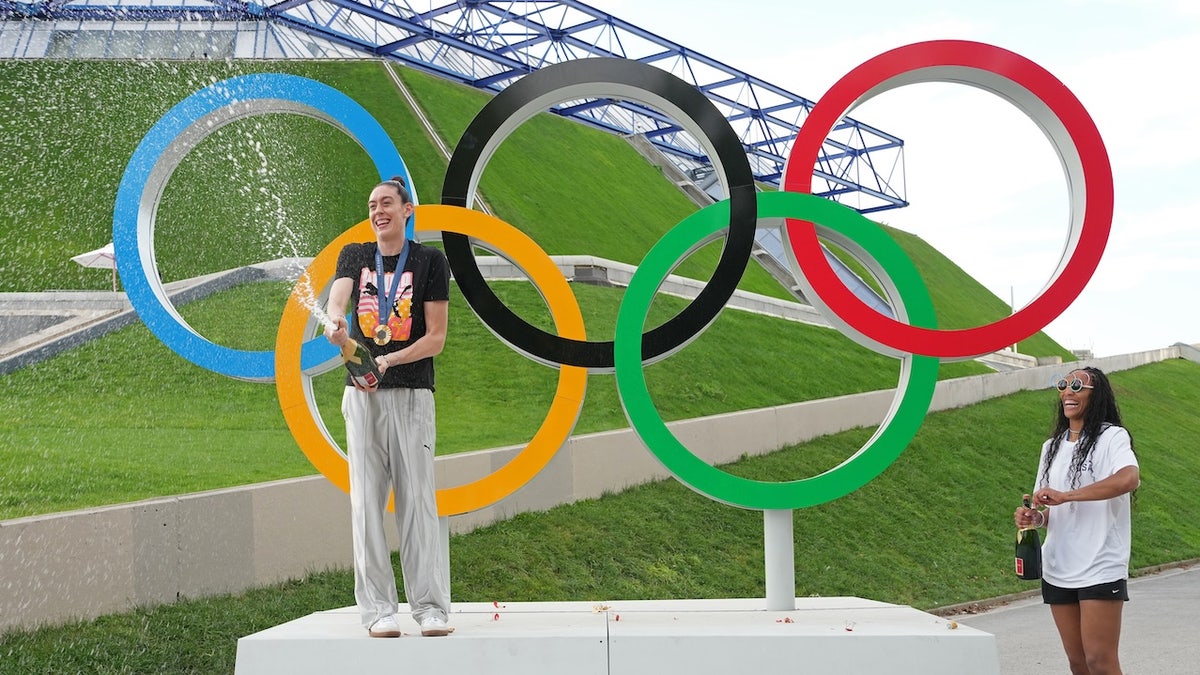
(977, 606)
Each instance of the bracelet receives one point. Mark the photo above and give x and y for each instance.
(1041, 519)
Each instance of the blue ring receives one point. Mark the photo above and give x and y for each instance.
(272, 93)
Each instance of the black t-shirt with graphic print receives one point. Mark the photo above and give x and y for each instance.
(425, 278)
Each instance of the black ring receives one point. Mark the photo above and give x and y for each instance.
(595, 78)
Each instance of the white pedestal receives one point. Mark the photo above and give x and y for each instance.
(631, 637)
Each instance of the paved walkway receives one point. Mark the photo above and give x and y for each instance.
(1159, 633)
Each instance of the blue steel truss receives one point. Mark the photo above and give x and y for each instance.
(489, 45)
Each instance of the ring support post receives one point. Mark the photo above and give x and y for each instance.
(779, 548)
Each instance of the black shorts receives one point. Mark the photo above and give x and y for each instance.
(1113, 590)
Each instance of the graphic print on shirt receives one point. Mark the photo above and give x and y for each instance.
(1089, 467)
(399, 316)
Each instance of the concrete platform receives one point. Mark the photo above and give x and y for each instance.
(631, 637)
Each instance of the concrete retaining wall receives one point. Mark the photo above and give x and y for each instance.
(82, 564)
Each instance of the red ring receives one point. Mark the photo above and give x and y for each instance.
(879, 74)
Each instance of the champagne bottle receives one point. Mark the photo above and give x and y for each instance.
(1029, 552)
(361, 364)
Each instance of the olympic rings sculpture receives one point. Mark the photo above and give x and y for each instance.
(912, 336)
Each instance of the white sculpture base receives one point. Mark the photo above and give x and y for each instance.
(628, 637)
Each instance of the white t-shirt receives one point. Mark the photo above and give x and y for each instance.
(1087, 543)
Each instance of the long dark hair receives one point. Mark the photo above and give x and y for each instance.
(1101, 412)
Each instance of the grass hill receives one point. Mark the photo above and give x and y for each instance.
(287, 184)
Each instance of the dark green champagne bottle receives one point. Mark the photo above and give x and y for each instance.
(361, 364)
(1029, 552)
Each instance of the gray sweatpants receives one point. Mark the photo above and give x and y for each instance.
(390, 440)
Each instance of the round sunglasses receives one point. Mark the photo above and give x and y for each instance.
(1075, 384)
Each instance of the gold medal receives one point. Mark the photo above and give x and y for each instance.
(383, 334)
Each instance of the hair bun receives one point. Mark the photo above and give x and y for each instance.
(400, 180)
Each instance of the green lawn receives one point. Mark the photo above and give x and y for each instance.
(128, 419)
(934, 529)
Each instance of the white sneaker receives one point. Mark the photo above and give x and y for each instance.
(432, 626)
(384, 627)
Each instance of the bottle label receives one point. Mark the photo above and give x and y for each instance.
(366, 379)
(1020, 567)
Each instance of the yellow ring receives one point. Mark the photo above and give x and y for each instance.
(294, 386)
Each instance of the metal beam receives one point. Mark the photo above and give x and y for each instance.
(489, 44)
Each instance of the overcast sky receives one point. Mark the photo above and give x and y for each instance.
(985, 186)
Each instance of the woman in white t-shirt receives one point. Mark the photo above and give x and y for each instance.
(1085, 482)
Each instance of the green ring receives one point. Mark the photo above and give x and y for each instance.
(918, 375)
